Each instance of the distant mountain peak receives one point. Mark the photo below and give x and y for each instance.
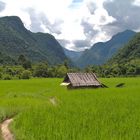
(100, 52)
(12, 20)
(123, 34)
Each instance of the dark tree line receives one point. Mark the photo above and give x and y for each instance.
(24, 69)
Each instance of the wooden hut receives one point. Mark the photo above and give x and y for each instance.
(78, 80)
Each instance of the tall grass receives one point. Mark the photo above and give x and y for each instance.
(82, 114)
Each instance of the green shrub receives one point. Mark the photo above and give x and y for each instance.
(41, 70)
(0, 75)
(7, 77)
(26, 74)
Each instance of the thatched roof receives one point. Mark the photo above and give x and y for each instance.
(82, 80)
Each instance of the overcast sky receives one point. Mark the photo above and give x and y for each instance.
(76, 24)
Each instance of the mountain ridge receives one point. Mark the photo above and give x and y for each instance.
(129, 52)
(126, 62)
(100, 52)
(15, 40)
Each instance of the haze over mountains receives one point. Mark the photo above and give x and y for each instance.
(73, 55)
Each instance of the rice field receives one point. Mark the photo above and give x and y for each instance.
(44, 110)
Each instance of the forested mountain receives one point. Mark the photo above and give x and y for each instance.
(4, 59)
(129, 53)
(16, 40)
(103, 51)
(127, 60)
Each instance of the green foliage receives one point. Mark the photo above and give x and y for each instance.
(38, 70)
(6, 60)
(130, 53)
(125, 63)
(27, 64)
(9, 70)
(0, 75)
(21, 59)
(7, 77)
(127, 60)
(41, 70)
(61, 71)
(26, 74)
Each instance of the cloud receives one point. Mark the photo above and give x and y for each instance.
(91, 6)
(88, 28)
(126, 13)
(73, 20)
(81, 44)
(40, 22)
(77, 24)
(2, 6)
(35, 25)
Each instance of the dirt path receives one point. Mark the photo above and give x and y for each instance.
(6, 134)
(53, 101)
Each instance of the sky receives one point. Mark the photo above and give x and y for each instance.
(76, 24)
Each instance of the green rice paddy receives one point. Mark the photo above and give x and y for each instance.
(44, 110)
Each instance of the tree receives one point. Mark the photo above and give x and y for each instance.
(66, 64)
(27, 64)
(61, 71)
(41, 70)
(21, 59)
(26, 74)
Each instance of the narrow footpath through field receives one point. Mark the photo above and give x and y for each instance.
(6, 133)
(53, 101)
